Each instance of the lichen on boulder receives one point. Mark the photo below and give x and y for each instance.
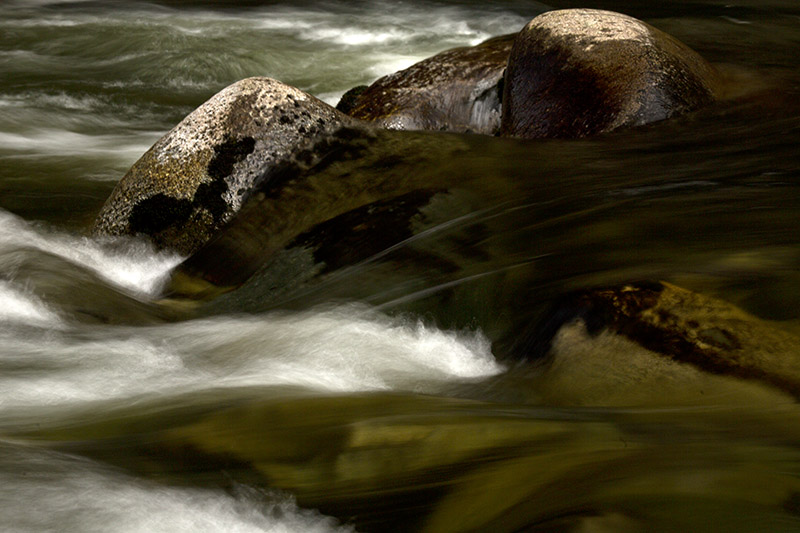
(196, 177)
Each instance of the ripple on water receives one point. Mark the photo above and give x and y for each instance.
(340, 350)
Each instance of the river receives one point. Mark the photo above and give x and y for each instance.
(391, 395)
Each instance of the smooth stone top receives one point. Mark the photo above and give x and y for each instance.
(578, 72)
(196, 177)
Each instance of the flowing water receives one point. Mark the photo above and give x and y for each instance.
(385, 395)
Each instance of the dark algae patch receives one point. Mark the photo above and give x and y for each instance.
(227, 154)
(344, 145)
(361, 233)
(158, 213)
(209, 196)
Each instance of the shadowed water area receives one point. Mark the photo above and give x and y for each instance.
(419, 363)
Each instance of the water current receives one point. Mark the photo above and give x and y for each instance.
(388, 396)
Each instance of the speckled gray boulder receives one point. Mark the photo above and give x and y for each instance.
(456, 90)
(196, 177)
(578, 72)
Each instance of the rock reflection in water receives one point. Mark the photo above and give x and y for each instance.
(397, 462)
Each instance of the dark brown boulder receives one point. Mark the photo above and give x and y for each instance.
(456, 90)
(578, 72)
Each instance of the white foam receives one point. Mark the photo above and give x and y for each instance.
(390, 63)
(282, 23)
(131, 264)
(347, 349)
(42, 22)
(43, 491)
(389, 25)
(19, 306)
(64, 100)
(331, 98)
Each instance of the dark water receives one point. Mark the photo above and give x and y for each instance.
(384, 395)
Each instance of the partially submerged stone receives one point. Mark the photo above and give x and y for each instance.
(358, 193)
(708, 334)
(196, 177)
(456, 90)
(578, 72)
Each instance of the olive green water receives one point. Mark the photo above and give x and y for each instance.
(393, 393)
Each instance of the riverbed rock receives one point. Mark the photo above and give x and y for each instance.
(456, 90)
(356, 198)
(682, 326)
(196, 177)
(578, 72)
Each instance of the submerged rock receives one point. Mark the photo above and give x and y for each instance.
(196, 177)
(353, 197)
(578, 72)
(711, 335)
(456, 90)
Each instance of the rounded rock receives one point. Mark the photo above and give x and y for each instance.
(197, 176)
(578, 72)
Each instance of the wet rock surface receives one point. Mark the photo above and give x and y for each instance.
(345, 198)
(196, 177)
(687, 327)
(578, 72)
(570, 73)
(456, 90)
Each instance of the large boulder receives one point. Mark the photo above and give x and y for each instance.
(456, 90)
(578, 72)
(196, 177)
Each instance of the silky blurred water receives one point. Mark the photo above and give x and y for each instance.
(378, 398)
